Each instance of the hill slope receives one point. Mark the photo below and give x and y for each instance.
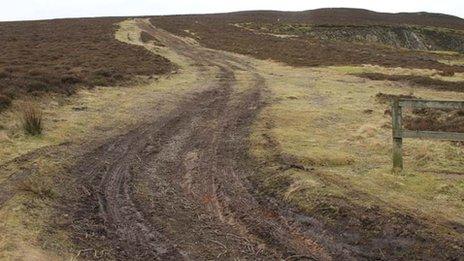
(229, 157)
(58, 55)
(326, 36)
(349, 16)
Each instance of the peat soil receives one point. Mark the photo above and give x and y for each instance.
(179, 187)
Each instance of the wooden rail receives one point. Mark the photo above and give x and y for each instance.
(399, 134)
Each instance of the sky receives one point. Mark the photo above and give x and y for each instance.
(13, 10)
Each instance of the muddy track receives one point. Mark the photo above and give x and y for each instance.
(178, 188)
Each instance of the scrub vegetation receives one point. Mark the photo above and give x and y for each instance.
(251, 135)
(35, 170)
(60, 55)
(326, 37)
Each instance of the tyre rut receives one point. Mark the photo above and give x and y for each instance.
(178, 188)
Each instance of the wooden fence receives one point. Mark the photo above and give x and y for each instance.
(399, 134)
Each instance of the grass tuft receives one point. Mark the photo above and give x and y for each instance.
(41, 187)
(32, 119)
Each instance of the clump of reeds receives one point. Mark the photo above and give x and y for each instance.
(31, 118)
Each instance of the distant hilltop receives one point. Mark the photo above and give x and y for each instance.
(351, 16)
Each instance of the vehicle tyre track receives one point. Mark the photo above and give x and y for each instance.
(178, 188)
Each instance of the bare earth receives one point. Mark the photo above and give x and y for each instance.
(193, 161)
(179, 186)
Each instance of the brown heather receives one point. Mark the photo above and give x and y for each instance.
(58, 55)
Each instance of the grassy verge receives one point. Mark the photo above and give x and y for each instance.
(31, 227)
(452, 62)
(326, 143)
(27, 218)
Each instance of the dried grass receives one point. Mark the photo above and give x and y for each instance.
(41, 187)
(341, 157)
(32, 118)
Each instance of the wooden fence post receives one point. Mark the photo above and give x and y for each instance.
(399, 134)
(397, 126)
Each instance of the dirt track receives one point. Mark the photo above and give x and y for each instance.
(178, 187)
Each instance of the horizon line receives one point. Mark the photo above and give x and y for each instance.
(225, 12)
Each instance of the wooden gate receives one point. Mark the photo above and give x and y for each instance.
(399, 134)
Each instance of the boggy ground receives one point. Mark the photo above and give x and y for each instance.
(180, 184)
(180, 187)
(324, 144)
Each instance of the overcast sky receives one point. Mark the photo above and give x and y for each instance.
(45, 9)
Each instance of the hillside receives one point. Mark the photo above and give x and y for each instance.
(349, 16)
(59, 55)
(256, 135)
(326, 36)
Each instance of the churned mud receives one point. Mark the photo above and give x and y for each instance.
(178, 187)
(182, 185)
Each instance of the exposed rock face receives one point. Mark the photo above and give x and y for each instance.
(432, 39)
(397, 36)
